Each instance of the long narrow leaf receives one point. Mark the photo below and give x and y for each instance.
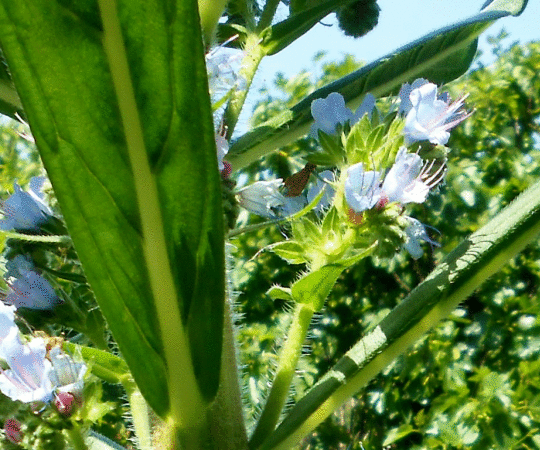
(440, 56)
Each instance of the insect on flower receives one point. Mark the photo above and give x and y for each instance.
(296, 183)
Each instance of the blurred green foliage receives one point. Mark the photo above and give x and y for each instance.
(474, 381)
(19, 160)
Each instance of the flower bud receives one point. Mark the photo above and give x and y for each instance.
(66, 403)
(12, 429)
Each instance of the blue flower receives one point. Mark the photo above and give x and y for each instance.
(222, 147)
(28, 289)
(405, 104)
(430, 117)
(409, 180)
(25, 211)
(67, 374)
(330, 111)
(223, 65)
(7, 322)
(35, 374)
(264, 198)
(415, 233)
(27, 379)
(362, 189)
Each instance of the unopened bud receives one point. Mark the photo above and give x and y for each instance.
(383, 201)
(66, 403)
(12, 429)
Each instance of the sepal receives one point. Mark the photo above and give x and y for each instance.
(280, 293)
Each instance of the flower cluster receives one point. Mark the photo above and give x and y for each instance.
(27, 211)
(34, 374)
(398, 177)
(409, 180)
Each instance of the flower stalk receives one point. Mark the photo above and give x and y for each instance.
(288, 359)
(140, 415)
(254, 54)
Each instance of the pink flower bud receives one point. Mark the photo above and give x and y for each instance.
(66, 403)
(12, 429)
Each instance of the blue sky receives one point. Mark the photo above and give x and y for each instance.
(399, 23)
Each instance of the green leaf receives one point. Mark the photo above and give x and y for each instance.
(395, 434)
(331, 222)
(464, 269)
(313, 289)
(440, 56)
(309, 207)
(130, 151)
(332, 152)
(104, 365)
(508, 6)
(290, 251)
(306, 231)
(277, 37)
(10, 103)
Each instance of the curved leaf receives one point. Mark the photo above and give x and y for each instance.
(440, 56)
(104, 365)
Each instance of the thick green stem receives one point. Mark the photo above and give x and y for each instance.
(140, 415)
(226, 418)
(288, 360)
(250, 63)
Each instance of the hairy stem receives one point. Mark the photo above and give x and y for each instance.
(141, 417)
(288, 360)
(250, 63)
(75, 437)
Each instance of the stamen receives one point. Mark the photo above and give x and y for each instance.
(432, 180)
